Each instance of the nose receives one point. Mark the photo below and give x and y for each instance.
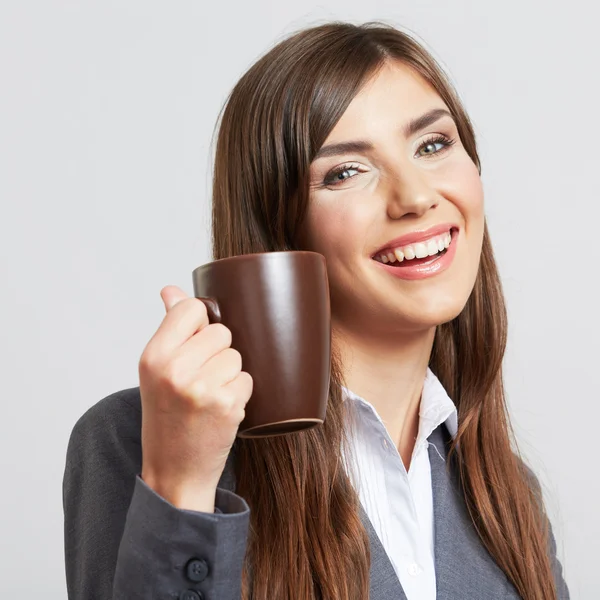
(410, 195)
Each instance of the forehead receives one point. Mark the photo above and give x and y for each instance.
(394, 96)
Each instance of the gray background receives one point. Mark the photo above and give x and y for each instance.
(106, 116)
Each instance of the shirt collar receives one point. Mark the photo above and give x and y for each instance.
(436, 407)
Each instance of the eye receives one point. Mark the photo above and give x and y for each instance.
(338, 175)
(431, 143)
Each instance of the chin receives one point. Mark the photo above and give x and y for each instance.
(433, 312)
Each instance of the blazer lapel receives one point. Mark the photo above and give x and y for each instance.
(464, 568)
(385, 584)
(447, 559)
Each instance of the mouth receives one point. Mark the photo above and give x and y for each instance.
(419, 253)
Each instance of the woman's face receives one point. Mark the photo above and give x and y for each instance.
(390, 182)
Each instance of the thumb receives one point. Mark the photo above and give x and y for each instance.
(171, 295)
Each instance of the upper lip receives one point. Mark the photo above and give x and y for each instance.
(415, 236)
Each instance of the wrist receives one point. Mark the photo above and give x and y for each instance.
(196, 497)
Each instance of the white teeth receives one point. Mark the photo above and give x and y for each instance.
(430, 247)
(421, 250)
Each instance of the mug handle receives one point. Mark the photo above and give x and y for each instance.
(212, 308)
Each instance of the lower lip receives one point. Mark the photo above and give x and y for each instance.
(436, 265)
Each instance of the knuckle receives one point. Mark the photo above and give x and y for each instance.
(226, 400)
(229, 403)
(200, 392)
(247, 383)
(234, 356)
(200, 308)
(233, 408)
(192, 396)
(149, 362)
(221, 333)
(183, 305)
(191, 303)
(172, 377)
(191, 309)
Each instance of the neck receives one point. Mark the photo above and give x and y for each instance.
(389, 374)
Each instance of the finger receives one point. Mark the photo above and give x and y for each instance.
(184, 319)
(202, 346)
(241, 386)
(219, 369)
(171, 295)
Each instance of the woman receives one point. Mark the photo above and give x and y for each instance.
(349, 141)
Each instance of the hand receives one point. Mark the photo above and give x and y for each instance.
(194, 394)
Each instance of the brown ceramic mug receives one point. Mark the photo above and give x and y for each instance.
(277, 306)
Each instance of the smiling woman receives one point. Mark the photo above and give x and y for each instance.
(345, 140)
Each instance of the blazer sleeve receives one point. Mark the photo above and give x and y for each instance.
(125, 542)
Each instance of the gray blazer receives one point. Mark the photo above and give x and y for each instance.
(123, 541)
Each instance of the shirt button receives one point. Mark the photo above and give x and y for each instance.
(414, 569)
(385, 443)
(191, 595)
(196, 570)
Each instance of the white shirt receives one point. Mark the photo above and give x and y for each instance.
(400, 504)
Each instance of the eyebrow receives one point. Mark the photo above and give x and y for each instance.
(412, 127)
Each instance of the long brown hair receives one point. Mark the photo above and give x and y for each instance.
(307, 539)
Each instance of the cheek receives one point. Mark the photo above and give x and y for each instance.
(470, 202)
(468, 193)
(332, 230)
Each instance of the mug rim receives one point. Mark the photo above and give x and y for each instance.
(264, 256)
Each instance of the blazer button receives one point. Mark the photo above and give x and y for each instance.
(191, 595)
(196, 570)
